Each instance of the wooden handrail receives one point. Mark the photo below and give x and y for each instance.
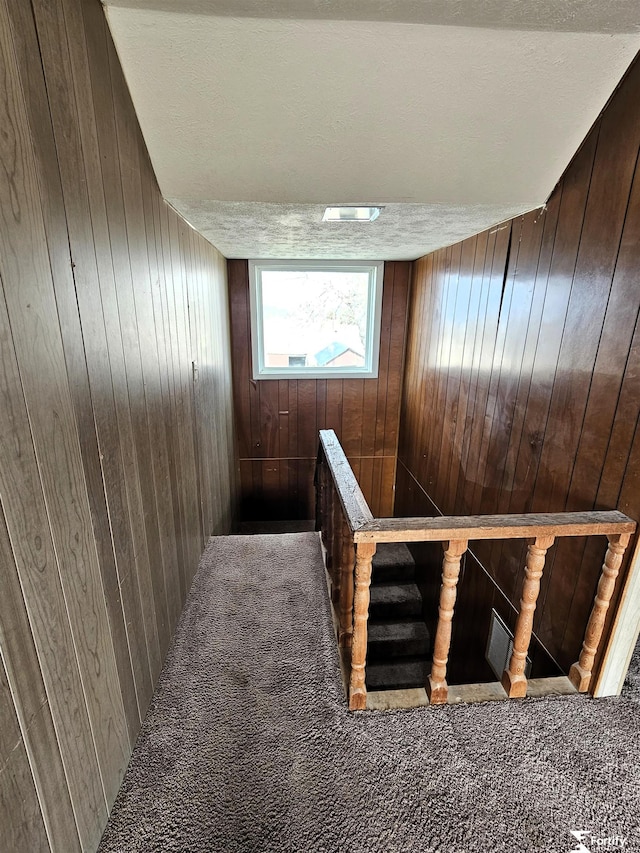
(350, 544)
(474, 527)
(355, 507)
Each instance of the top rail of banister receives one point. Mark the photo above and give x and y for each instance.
(356, 508)
(475, 527)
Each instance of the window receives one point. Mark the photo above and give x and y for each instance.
(315, 319)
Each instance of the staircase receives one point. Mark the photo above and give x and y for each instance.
(399, 645)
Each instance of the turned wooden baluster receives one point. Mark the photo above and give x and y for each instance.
(347, 562)
(580, 672)
(357, 688)
(437, 689)
(514, 680)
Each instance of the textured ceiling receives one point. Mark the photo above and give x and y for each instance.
(255, 123)
(258, 230)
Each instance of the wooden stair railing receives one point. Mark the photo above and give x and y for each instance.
(349, 534)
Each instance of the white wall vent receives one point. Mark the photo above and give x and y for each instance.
(500, 646)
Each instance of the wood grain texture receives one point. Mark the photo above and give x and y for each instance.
(520, 391)
(22, 829)
(479, 527)
(116, 424)
(278, 421)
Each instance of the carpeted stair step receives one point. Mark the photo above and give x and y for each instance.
(388, 640)
(394, 602)
(398, 674)
(393, 562)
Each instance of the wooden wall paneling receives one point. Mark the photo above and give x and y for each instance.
(509, 557)
(495, 271)
(198, 382)
(175, 389)
(126, 265)
(352, 413)
(606, 208)
(517, 309)
(66, 206)
(619, 344)
(141, 303)
(517, 301)
(292, 424)
(486, 469)
(22, 829)
(421, 330)
(268, 396)
(429, 333)
(240, 332)
(479, 300)
(376, 394)
(308, 418)
(32, 545)
(335, 393)
(24, 676)
(184, 399)
(284, 421)
(406, 409)
(475, 364)
(440, 448)
(121, 358)
(207, 421)
(426, 466)
(159, 291)
(229, 451)
(225, 455)
(467, 358)
(31, 304)
(387, 486)
(197, 538)
(536, 268)
(321, 404)
(196, 386)
(214, 424)
(456, 333)
(387, 445)
(424, 331)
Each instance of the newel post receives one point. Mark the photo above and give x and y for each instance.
(357, 688)
(514, 680)
(580, 672)
(437, 689)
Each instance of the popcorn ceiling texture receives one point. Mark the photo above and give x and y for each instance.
(402, 232)
(248, 745)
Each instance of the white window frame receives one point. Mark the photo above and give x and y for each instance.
(369, 369)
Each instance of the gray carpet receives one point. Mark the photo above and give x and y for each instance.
(248, 745)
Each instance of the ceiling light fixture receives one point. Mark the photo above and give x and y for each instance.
(351, 213)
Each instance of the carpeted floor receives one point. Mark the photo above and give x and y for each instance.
(248, 745)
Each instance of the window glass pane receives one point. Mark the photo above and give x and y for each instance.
(314, 318)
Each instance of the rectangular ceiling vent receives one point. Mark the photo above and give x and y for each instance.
(500, 646)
